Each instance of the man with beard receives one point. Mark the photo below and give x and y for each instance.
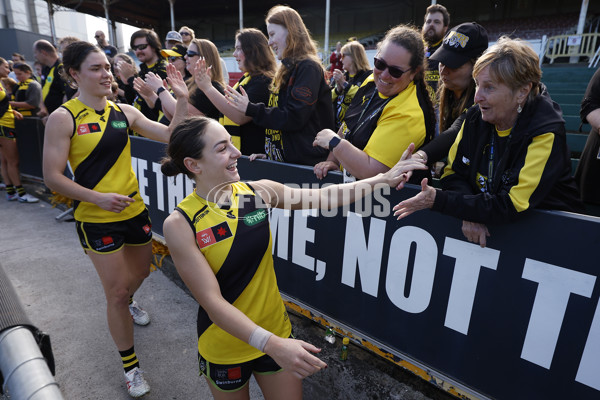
(437, 20)
(146, 45)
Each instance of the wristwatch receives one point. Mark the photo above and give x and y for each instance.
(160, 90)
(334, 142)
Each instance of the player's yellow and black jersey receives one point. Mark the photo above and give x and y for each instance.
(100, 157)
(7, 118)
(53, 87)
(236, 242)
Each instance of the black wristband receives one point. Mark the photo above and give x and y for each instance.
(160, 90)
(334, 142)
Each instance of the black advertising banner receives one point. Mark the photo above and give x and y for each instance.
(519, 319)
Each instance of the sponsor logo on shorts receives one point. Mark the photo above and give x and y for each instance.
(104, 243)
(84, 129)
(212, 235)
(234, 373)
(119, 124)
(147, 229)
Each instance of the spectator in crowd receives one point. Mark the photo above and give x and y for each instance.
(11, 74)
(28, 96)
(187, 35)
(511, 154)
(462, 46)
(391, 110)
(110, 51)
(255, 59)
(146, 45)
(242, 322)
(18, 58)
(37, 69)
(124, 94)
(53, 87)
(176, 56)
(356, 69)
(587, 174)
(199, 104)
(437, 21)
(64, 42)
(335, 60)
(300, 102)
(111, 219)
(172, 38)
(9, 155)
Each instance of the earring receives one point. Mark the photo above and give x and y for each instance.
(519, 109)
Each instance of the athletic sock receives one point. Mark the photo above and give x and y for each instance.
(129, 359)
(10, 189)
(20, 190)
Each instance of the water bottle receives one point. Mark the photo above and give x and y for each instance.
(344, 351)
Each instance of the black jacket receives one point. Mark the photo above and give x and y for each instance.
(554, 189)
(303, 109)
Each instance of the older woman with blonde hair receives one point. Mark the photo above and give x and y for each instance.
(511, 153)
(356, 70)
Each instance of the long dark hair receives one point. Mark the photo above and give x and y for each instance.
(186, 141)
(259, 59)
(450, 106)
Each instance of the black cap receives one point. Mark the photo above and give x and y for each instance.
(462, 43)
(178, 50)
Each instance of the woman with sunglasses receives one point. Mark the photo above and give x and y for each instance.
(255, 59)
(112, 221)
(391, 110)
(300, 101)
(176, 56)
(199, 104)
(219, 238)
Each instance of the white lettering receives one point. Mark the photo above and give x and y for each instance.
(160, 196)
(301, 235)
(423, 271)
(175, 191)
(589, 367)
(469, 260)
(555, 286)
(358, 254)
(280, 223)
(142, 166)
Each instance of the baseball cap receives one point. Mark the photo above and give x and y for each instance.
(178, 50)
(174, 35)
(461, 44)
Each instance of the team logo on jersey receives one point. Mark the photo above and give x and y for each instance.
(212, 235)
(255, 217)
(119, 124)
(84, 129)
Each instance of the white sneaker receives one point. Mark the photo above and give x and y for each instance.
(136, 384)
(140, 317)
(27, 198)
(12, 197)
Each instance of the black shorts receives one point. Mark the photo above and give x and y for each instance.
(105, 238)
(231, 378)
(7, 132)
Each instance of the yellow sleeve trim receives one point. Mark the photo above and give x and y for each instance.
(537, 156)
(452, 153)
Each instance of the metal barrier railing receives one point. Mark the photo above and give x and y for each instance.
(582, 45)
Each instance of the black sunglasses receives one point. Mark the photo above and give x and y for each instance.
(192, 53)
(140, 47)
(172, 59)
(184, 33)
(381, 65)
